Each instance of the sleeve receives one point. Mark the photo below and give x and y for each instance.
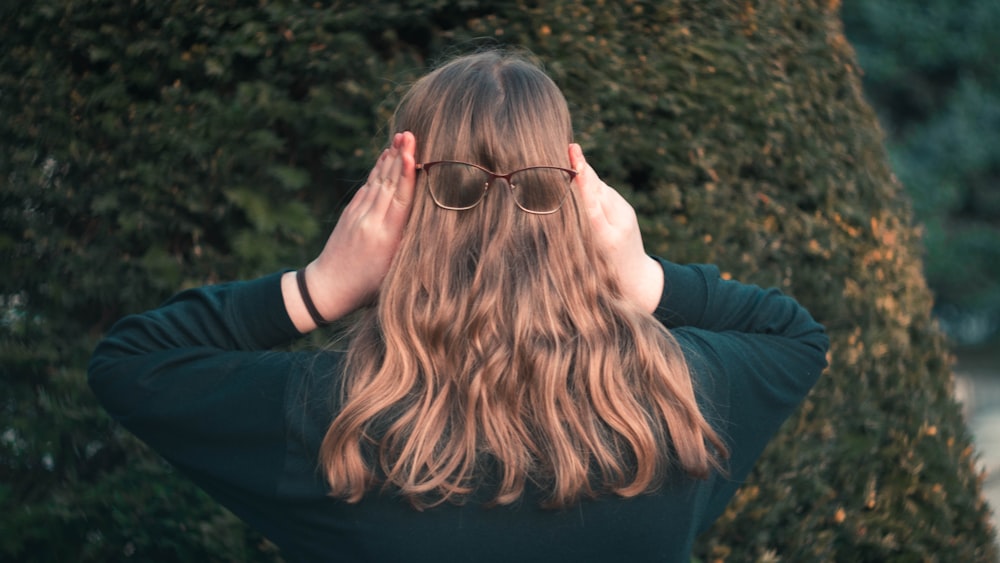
(755, 354)
(196, 380)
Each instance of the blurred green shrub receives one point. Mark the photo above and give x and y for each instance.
(931, 74)
(149, 147)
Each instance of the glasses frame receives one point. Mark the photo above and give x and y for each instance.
(493, 176)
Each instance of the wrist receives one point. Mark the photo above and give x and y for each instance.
(645, 284)
(334, 291)
(303, 285)
(294, 305)
(329, 301)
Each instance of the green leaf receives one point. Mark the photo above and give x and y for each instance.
(289, 177)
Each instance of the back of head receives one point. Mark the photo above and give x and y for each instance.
(493, 108)
(502, 112)
(500, 349)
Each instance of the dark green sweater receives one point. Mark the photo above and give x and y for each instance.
(196, 380)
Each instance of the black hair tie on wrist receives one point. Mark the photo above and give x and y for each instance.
(300, 277)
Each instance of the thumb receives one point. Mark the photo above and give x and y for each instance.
(587, 182)
(576, 159)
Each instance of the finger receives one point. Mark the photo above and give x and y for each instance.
(393, 165)
(369, 190)
(376, 171)
(397, 213)
(588, 184)
(403, 172)
(576, 159)
(408, 177)
(389, 182)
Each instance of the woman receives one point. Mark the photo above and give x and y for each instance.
(524, 382)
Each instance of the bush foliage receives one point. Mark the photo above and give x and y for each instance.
(151, 146)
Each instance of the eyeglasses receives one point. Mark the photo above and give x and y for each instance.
(458, 186)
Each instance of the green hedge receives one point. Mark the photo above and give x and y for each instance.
(152, 146)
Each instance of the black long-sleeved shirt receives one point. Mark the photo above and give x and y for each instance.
(196, 380)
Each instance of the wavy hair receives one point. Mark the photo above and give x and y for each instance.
(501, 351)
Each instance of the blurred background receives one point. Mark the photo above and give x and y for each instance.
(931, 73)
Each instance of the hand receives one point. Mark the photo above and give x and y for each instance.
(616, 232)
(348, 272)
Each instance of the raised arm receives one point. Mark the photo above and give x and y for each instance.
(616, 230)
(357, 255)
(697, 296)
(694, 296)
(197, 378)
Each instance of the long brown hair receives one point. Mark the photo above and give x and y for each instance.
(500, 350)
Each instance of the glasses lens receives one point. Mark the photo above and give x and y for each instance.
(541, 189)
(456, 186)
